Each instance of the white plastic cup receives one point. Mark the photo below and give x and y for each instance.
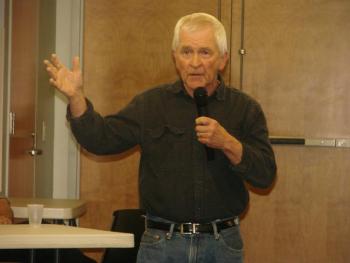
(35, 214)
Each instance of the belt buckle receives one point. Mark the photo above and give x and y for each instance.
(192, 229)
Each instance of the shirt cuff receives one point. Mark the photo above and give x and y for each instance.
(88, 111)
(244, 165)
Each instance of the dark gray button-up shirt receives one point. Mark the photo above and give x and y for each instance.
(176, 180)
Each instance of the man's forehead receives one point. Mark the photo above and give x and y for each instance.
(196, 31)
(190, 47)
(200, 38)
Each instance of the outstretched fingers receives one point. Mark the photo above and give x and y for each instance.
(56, 62)
(76, 64)
(51, 70)
(53, 67)
(53, 82)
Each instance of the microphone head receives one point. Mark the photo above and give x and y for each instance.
(200, 96)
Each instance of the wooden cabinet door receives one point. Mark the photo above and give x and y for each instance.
(31, 99)
(24, 51)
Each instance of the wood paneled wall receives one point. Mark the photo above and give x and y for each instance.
(305, 218)
(295, 65)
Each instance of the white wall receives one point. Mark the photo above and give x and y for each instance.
(69, 28)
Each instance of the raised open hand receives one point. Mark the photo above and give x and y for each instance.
(69, 82)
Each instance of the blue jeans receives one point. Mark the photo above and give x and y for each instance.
(191, 248)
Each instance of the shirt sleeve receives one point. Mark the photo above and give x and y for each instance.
(258, 166)
(110, 134)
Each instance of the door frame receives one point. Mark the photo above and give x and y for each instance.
(6, 24)
(2, 81)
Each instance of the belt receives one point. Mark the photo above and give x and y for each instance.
(193, 228)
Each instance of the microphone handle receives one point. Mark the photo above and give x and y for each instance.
(210, 153)
(202, 111)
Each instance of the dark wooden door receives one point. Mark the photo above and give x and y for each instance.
(24, 51)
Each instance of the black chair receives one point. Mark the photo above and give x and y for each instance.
(43, 256)
(14, 255)
(128, 221)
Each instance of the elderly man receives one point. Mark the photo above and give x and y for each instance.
(193, 199)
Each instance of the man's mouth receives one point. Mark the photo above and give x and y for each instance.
(195, 74)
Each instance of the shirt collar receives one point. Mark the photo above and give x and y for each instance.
(219, 93)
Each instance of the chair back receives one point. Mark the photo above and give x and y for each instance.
(128, 221)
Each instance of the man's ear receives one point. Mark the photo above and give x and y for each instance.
(223, 62)
(173, 56)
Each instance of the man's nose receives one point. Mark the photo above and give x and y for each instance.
(196, 61)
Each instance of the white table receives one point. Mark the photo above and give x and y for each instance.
(58, 209)
(24, 236)
(60, 236)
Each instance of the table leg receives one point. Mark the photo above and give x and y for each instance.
(31, 255)
(57, 255)
(72, 222)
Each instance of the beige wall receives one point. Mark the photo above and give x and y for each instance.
(69, 38)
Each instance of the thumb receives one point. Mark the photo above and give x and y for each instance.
(202, 120)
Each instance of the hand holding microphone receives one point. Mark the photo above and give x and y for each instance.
(211, 133)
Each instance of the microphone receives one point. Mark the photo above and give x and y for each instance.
(200, 96)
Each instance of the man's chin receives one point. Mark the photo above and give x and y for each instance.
(195, 84)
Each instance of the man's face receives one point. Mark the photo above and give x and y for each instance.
(198, 60)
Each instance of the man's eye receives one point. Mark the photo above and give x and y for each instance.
(186, 51)
(205, 52)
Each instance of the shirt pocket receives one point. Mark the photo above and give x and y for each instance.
(166, 149)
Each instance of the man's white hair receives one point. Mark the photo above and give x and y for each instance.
(196, 21)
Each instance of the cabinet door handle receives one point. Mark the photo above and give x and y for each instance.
(34, 152)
